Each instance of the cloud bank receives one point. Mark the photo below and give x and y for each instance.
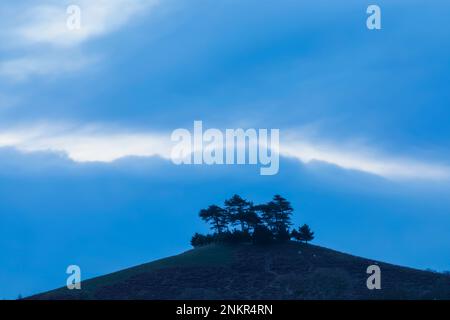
(85, 144)
(97, 143)
(373, 162)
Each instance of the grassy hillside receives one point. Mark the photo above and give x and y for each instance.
(287, 271)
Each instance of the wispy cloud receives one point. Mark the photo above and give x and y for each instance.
(86, 144)
(21, 68)
(39, 42)
(361, 158)
(98, 143)
(48, 22)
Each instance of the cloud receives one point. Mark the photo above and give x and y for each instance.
(21, 69)
(86, 144)
(96, 143)
(41, 44)
(364, 159)
(48, 22)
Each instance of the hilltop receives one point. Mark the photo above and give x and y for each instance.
(279, 271)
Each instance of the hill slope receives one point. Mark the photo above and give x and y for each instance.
(288, 271)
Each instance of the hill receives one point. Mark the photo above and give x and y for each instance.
(284, 271)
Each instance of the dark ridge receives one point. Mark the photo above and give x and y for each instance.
(279, 271)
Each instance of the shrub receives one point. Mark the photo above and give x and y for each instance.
(234, 237)
(262, 236)
(304, 233)
(199, 240)
(239, 236)
(282, 235)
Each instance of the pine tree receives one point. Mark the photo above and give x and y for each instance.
(216, 216)
(267, 214)
(262, 236)
(263, 224)
(198, 240)
(283, 212)
(240, 212)
(252, 219)
(305, 234)
(276, 214)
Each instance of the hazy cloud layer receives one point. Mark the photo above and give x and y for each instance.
(40, 43)
(103, 144)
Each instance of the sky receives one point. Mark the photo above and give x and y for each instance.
(86, 117)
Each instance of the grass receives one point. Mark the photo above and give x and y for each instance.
(208, 256)
(279, 271)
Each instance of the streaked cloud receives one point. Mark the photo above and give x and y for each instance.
(361, 159)
(39, 43)
(85, 144)
(47, 22)
(21, 68)
(97, 143)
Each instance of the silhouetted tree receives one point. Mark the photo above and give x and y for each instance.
(262, 224)
(283, 212)
(216, 216)
(252, 219)
(234, 237)
(282, 235)
(304, 234)
(198, 240)
(276, 214)
(240, 212)
(262, 235)
(267, 212)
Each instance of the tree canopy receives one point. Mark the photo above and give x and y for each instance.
(242, 221)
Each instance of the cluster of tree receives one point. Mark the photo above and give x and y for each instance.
(241, 221)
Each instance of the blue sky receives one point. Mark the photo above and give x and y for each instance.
(85, 119)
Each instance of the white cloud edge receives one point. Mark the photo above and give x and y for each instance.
(85, 144)
(374, 162)
(101, 144)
